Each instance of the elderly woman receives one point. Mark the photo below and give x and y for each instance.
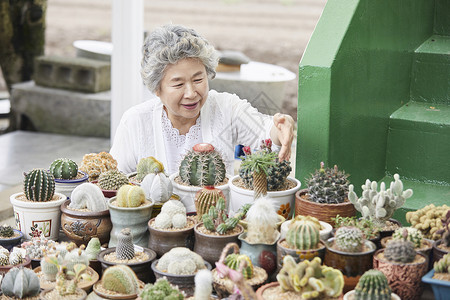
(176, 65)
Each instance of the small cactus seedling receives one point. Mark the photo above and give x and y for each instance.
(130, 196)
(216, 219)
(64, 168)
(39, 185)
(328, 185)
(303, 233)
(442, 265)
(112, 180)
(349, 239)
(6, 231)
(372, 285)
(400, 251)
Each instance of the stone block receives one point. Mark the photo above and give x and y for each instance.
(60, 111)
(73, 73)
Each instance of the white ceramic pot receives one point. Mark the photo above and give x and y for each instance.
(350, 295)
(47, 215)
(325, 233)
(283, 201)
(187, 193)
(66, 186)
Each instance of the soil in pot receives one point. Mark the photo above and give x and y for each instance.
(389, 228)
(10, 242)
(53, 294)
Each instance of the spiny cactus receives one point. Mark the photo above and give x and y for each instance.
(233, 261)
(328, 185)
(303, 233)
(172, 215)
(20, 283)
(349, 239)
(367, 226)
(180, 261)
(64, 168)
(4, 259)
(76, 256)
(203, 285)
(88, 196)
(15, 258)
(414, 236)
(262, 222)
(158, 187)
(217, 220)
(50, 266)
(94, 164)
(401, 251)
(161, 289)
(120, 279)
(442, 265)
(205, 198)
(202, 166)
(148, 165)
(112, 180)
(93, 248)
(380, 205)
(310, 279)
(130, 196)
(6, 231)
(373, 285)
(39, 185)
(125, 247)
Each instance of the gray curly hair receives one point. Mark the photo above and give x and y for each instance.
(167, 45)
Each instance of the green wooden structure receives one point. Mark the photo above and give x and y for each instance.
(374, 95)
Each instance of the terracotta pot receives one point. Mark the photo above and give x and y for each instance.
(142, 269)
(209, 247)
(85, 285)
(404, 279)
(81, 226)
(9, 243)
(438, 253)
(351, 264)
(261, 290)
(322, 211)
(161, 241)
(27, 264)
(186, 283)
(66, 186)
(101, 295)
(298, 255)
(83, 295)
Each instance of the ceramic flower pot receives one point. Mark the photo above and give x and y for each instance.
(351, 296)
(325, 231)
(209, 247)
(298, 255)
(187, 192)
(441, 288)
(15, 240)
(99, 293)
(47, 295)
(438, 251)
(66, 186)
(322, 211)
(283, 201)
(351, 264)
(135, 218)
(403, 278)
(81, 226)
(386, 233)
(162, 241)
(46, 215)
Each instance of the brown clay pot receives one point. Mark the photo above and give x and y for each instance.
(81, 226)
(161, 241)
(298, 255)
(351, 264)
(82, 293)
(322, 211)
(438, 253)
(116, 296)
(27, 264)
(209, 247)
(261, 290)
(404, 279)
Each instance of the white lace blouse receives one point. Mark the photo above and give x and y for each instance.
(225, 121)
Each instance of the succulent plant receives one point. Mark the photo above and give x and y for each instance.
(180, 261)
(445, 230)
(379, 206)
(216, 219)
(64, 168)
(120, 279)
(148, 165)
(130, 196)
(158, 187)
(66, 286)
(20, 283)
(125, 247)
(172, 215)
(6, 231)
(442, 265)
(88, 196)
(234, 260)
(202, 166)
(205, 198)
(93, 248)
(373, 285)
(161, 290)
(112, 180)
(400, 251)
(15, 258)
(310, 279)
(76, 256)
(36, 248)
(328, 185)
(262, 222)
(94, 164)
(349, 239)
(367, 226)
(431, 220)
(303, 233)
(4, 259)
(203, 285)
(39, 185)
(414, 235)
(50, 266)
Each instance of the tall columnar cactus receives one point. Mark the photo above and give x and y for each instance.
(120, 279)
(39, 185)
(180, 261)
(88, 196)
(349, 239)
(64, 168)
(401, 251)
(202, 166)
(414, 235)
(20, 283)
(217, 220)
(234, 260)
(442, 265)
(125, 247)
(93, 248)
(380, 205)
(262, 222)
(205, 198)
(112, 180)
(303, 233)
(148, 165)
(373, 285)
(130, 196)
(328, 185)
(161, 289)
(310, 278)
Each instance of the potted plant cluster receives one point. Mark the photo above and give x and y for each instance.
(439, 278)
(421, 244)
(430, 220)
(16, 258)
(67, 176)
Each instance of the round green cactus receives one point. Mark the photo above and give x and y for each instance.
(64, 168)
(234, 260)
(120, 279)
(112, 180)
(148, 165)
(39, 185)
(205, 198)
(202, 166)
(303, 233)
(20, 283)
(130, 196)
(349, 239)
(373, 285)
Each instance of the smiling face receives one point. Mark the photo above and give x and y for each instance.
(183, 91)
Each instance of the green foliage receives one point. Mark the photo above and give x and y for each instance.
(64, 168)
(303, 233)
(112, 180)
(161, 290)
(328, 185)
(39, 185)
(349, 239)
(130, 196)
(120, 279)
(365, 225)
(217, 220)
(373, 285)
(20, 283)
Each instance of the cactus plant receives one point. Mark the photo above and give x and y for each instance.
(50, 266)
(161, 290)
(65, 286)
(6, 231)
(130, 196)
(39, 185)
(148, 165)
(349, 239)
(94, 164)
(233, 261)
(157, 186)
(125, 247)
(216, 219)
(180, 261)
(205, 198)
(172, 215)
(93, 248)
(112, 180)
(401, 251)
(367, 226)
(445, 230)
(303, 233)
(442, 265)
(328, 185)
(203, 285)
(262, 222)
(64, 168)
(20, 283)
(379, 206)
(431, 220)
(76, 256)
(88, 196)
(15, 258)
(120, 279)
(414, 236)
(202, 166)
(373, 285)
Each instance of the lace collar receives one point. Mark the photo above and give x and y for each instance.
(173, 135)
